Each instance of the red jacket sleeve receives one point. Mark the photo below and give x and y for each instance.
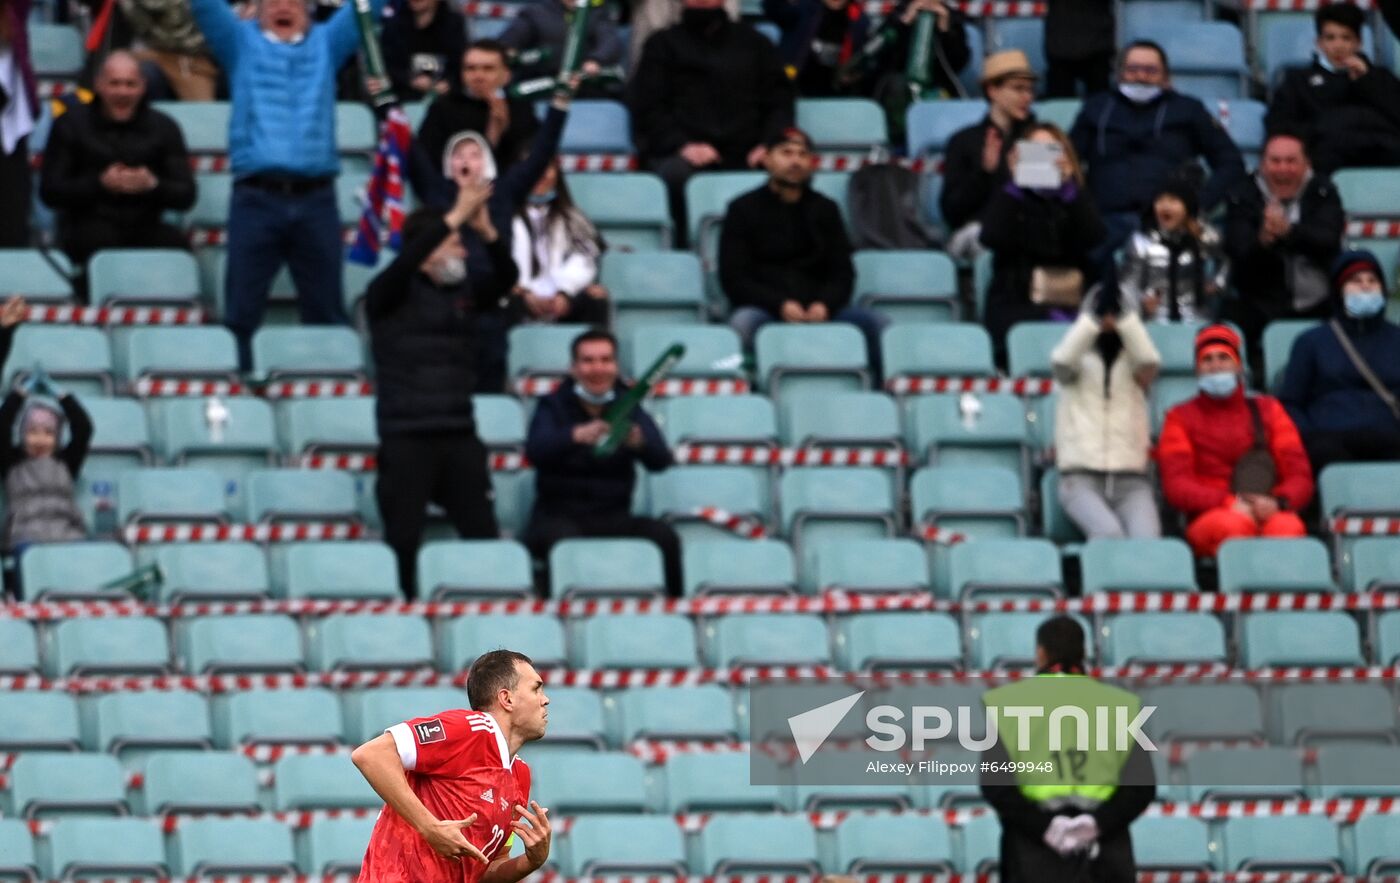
(1176, 461)
(1295, 478)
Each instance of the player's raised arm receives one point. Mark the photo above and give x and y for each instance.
(379, 762)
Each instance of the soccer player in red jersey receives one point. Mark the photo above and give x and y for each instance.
(454, 789)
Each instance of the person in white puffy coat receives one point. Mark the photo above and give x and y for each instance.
(1105, 365)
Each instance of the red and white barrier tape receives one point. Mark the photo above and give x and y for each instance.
(203, 237)
(210, 162)
(1365, 527)
(1293, 5)
(598, 162)
(739, 525)
(932, 533)
(54, 87)
(148, 387)
(343, 462)
(316, 389)
(1019, 386)
(189, 532)
(764, 455)
(530, 387)
(1376, 228)
(73, 315)
(973, 8)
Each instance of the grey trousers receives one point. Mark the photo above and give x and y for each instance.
(1105, 504)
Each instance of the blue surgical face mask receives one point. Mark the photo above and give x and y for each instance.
(1363, 304)
(591, 398)
(1218, 385)
(1139, 93)
(542, 198)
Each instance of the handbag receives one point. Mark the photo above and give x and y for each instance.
(1057, 287)
(1365, 370)
(1255, 472)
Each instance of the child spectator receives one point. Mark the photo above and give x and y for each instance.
(556, 248)
(38, 474)
(1175, 267)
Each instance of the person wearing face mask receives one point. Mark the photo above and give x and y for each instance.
(577, 492)
(1136, 136)
(1342, 414)
(422, 340)
(557, 249)
(1232, 463)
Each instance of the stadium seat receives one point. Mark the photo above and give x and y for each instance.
(597, 126)
(1252, 773)
(907, 286)
(678, 494)
(707, 198)
(571, 782)
(78, 359)
(819, 505)
(1376, 841)
(26, 272)
(577, 720)
(213, 572)
(44, 785)
(154, 276)
(1137, 565)
(866, 419)
(39, 720)
(290, 352)
(135, 723)
(699, 782)
(232, 847)
(384, 640)
(474, 569)
(336, 570)
(1387, 644)
(1312, 638)
(980, 843)
(539, 351)
(952, 429)
(74, 570)
(94, 847)
(820, 358)
(370, 712)
(1171, 844)
(334, 846)
(1146, 638)
(605, 567)
(1305, 714)
(500, 422)
(206, 352)
(1208, 57)
(120, 441)
(300, 495)
(629, 209)
(1243, 121)
(1028, 347)
(712, 352)
(19, 648)
(867, 844)
(842, 124)
(626, 640)
(306, 716)
(868, 565)
(766, 639)
(661, 713)
(912, 640)
(984, 500)
(1278, 843)
(739, 419)
(17, 857)
(246, 442)
(170, 494)
(198, 782)
(117, 645)
(1370, 564)
(930, 124)
(994, 566)
(463, 639)
(514, 500)
(1279, 336)
(1026, 34)
(600, 844)
(204, 124)
(738, 566)
(745, 843)
(1007, 640)
(1060, 111)
(1359, 489)
(56, 50)
(665, 287)
(234, 644)
(1201, 712)
(1274, 565)
(937, 349)
(1358, 771)
(331, 425)
(320, 781)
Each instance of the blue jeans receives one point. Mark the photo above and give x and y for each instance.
(747, 320)
(267, 230)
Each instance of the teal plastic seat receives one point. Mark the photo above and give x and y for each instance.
(213, 196)
(869, 565)
(300, 495)
(930, 124)
(855, 494)
(597, 126)
(129, 645)
(356, 130)
(370, 712)
(463, 639)
(384, 640)
(811, 358)
(747, 843)
(605, 567)
(843, 418)
(95, 847)
(1387, 645)
(1171, 844)
(1311, 638)
(288, 352)
(1016, 566)
(170, 494)
(712, 352)
(320, 781)
(1253, 773)
(1060, 111)
(247, 442)
(577, 720)
(1176, 345)
(204, 124)
(627, 640)
(842, 123)
(699, 782)
(676, 495)
(653, 287)
(574, 781)
(1282, 843)
(1308, 714)
(206, 351)
(1364, 189)
(360, 569)
(868, 844)
(994, 431)
(738, 566)
(500, 421)
(601, 844)
(26, 272)
(1376, 842)
(215, 571)
(123, 723)
(703, 713)
(986, 500)
(334, 846)
(1358, 771)
(907, 286)
(539, 350)
(1279, 336)
(17, 856)
(1007, 640)
(306, 716)
(78, 359)
(979, 844)
(739, 419)
(120, 441)
(1029, 345)
(1375, 565)
(913, 640)
(39, 720)
(474, 569)
(707, 198)
(45, 785)
(199, 781)
(155, 276)
(936, 349)
(515, 499)
(1268, 564)
(232, 846)
(56, 50)
(1137, 565)
(766, 639)
(628, 208)
(230, 644)
(1164, 638)
(1359, 489)
(333, 425)
(1204, 712)
(19, 648)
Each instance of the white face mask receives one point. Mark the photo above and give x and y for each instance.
(1139, 93)
(450, 271)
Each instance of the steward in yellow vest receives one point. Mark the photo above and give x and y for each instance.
(1058, 773)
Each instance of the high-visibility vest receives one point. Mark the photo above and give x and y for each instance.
(1064, 769)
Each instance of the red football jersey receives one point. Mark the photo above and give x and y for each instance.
(457, 764)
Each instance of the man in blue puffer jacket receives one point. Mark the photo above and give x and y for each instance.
(281, 74)
(1338, 414)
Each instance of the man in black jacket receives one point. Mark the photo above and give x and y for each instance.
(580, 494)
(420, 312)
(423, 48)
(112, 167)
(1283, 228)
(1346, 108)
(1080, 38)
(706, 95)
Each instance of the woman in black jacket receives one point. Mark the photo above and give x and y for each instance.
(1050, 230)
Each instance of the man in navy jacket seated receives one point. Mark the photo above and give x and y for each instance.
(578, 494)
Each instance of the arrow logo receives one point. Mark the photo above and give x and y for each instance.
(811, 728)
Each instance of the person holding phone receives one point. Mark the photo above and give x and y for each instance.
(1040, 227)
